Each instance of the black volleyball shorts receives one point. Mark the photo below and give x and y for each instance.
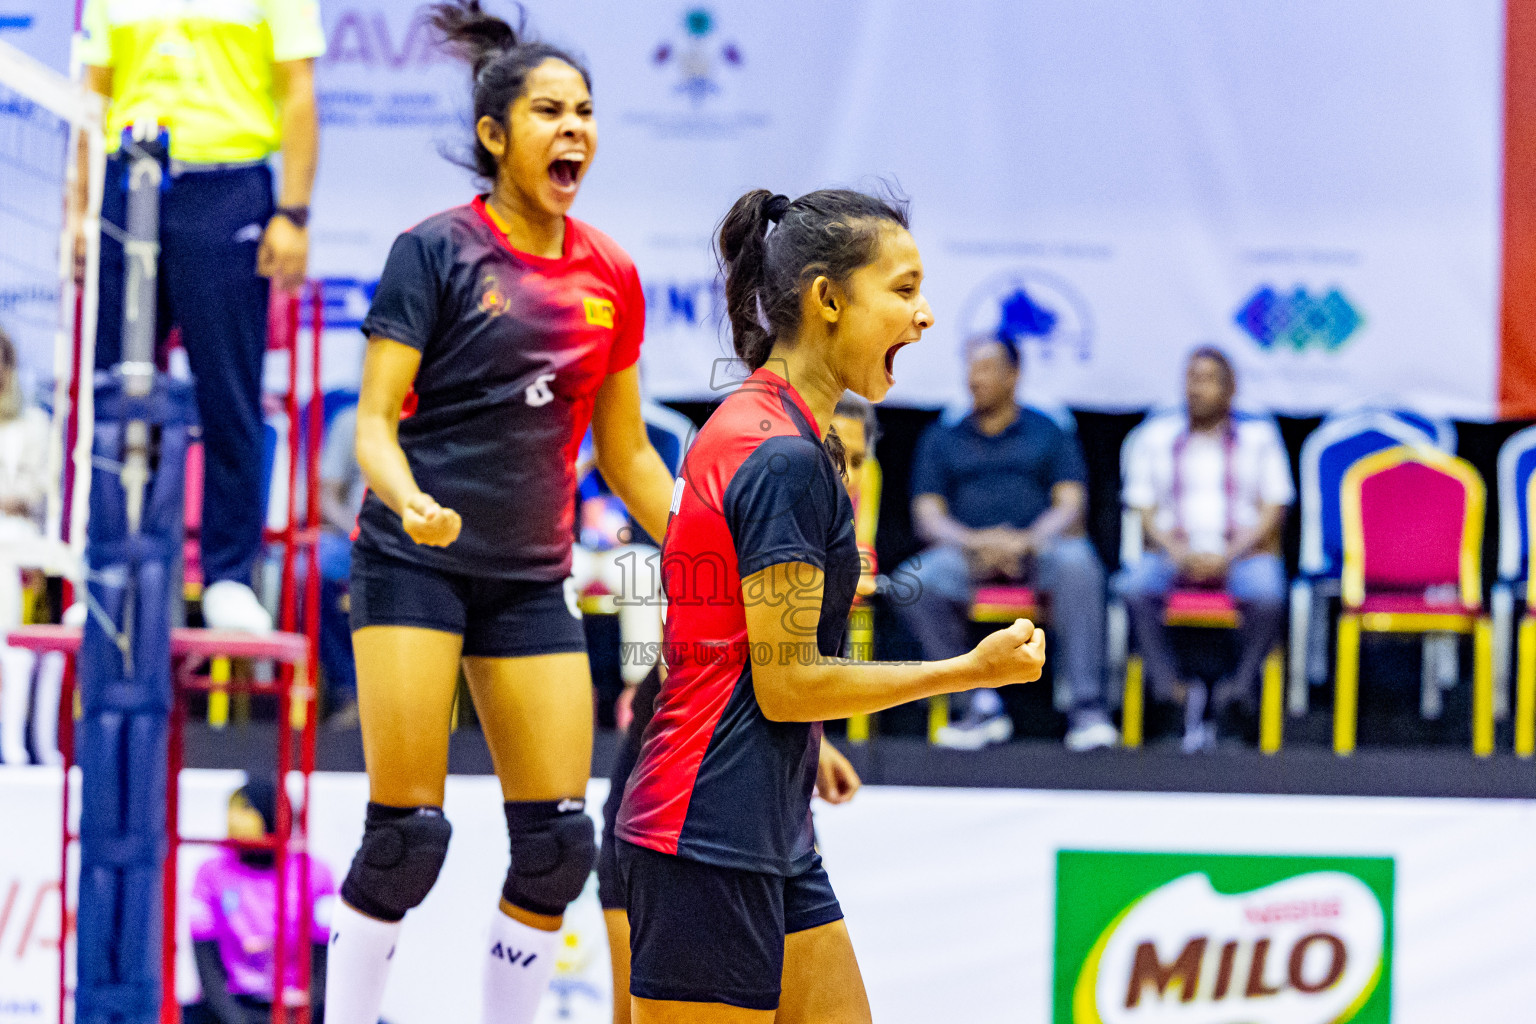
(497, 618)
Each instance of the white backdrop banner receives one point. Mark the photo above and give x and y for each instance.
(987, 906)
(1314, 185)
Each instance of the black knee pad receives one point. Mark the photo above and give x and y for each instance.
(402, 852)
(553, 849)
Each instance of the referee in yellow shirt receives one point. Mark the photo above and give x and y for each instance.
(233, 82)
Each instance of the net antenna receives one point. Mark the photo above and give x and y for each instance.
(52, 166)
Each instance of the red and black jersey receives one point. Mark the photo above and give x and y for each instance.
(513, 350)
(716, 780)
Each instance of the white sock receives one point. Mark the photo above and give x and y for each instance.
(15, 694)
(357, 966)
(517, 971)
(45, 708)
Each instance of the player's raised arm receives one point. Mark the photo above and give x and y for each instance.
(795, 684)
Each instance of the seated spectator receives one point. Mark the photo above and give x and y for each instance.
(233, 912)
(1212, 488)
(23, 485)
(855, 423)
(1000, 496)
(341, 498)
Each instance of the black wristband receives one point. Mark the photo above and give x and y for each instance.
(298, 215)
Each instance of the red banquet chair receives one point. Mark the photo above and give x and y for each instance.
(1206, 609)
(1413, 543)
(998, 603)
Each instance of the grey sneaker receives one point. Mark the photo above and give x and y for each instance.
(1091, 730)
(973, 732)
(1199, 735)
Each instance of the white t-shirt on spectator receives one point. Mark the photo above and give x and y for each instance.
(1260, 474)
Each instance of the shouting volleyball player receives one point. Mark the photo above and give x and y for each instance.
(836, 779)
(732, 915)
(509, 326)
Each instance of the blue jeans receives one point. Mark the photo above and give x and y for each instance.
(1256, 584)
(935, 590)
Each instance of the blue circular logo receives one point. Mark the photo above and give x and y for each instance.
(1040, 310)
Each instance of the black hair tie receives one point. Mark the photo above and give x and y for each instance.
(776, 207)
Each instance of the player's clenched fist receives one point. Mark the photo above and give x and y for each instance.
(427, 522)
(1012, 655)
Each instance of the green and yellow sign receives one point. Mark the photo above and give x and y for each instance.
(1172, 938)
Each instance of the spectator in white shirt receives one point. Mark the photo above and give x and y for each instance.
(1213, 488)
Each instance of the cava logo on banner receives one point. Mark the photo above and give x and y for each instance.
(1152, 938)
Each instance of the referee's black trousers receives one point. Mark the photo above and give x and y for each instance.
(211, 222)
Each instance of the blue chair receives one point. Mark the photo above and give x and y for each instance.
(671, 433)
(1341, 440)
(1517, 465)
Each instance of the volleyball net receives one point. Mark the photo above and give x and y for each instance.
(52, 162)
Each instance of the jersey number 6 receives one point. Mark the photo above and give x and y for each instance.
(538, 392)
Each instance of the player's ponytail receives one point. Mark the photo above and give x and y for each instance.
(500, 55)
(771, 248)
(473, 34)
(741, 250)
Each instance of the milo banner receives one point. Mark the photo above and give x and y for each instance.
(1205, 939)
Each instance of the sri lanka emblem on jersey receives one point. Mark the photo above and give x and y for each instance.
(493, 301)
(599, 312)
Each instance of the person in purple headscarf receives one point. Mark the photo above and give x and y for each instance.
(233, 917)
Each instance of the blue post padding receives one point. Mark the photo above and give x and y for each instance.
(123, 735)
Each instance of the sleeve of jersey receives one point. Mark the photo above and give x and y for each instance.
(779, 505)
(95, 35)
(296, 30)
(626, 347)
(404, 306)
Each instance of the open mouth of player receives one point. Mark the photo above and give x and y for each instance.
(565, 173)
(890, 361)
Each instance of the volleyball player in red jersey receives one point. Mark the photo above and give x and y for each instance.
(731, 913)
(502, 328)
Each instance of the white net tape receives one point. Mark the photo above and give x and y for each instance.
(44, 119)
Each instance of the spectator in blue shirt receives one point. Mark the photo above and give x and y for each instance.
(1001, 496)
